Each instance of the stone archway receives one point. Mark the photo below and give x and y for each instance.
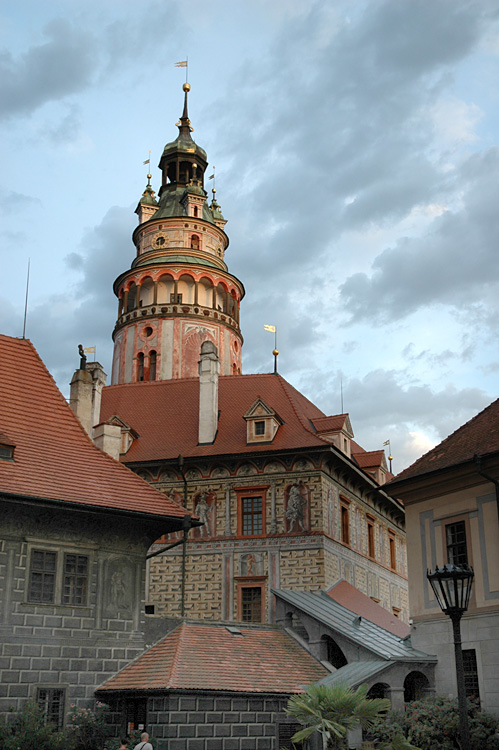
(416, 686)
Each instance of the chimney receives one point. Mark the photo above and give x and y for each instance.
(209, 369)
(85, 394)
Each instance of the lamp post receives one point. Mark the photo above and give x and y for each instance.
(451, 585)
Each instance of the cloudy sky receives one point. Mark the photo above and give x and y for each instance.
(356, 147)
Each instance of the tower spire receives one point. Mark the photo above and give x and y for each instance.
(184, 125)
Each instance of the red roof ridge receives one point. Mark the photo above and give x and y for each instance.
(411, 470)
(176, 665)
(285, 387)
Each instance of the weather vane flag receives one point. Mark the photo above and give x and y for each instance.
(273, 329)
(183, 64)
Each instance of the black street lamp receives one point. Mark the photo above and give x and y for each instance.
(451, 585)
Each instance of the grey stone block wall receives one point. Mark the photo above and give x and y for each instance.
(208, 721)
(75, 648)
(479, 631)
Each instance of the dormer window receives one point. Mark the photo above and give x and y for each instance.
(262, 423)
(6, 452)
(6, 448)
(260, 428)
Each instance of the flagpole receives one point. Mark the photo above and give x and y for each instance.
(26, 300)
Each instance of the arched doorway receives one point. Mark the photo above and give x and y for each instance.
(416, 686)
(334, 654)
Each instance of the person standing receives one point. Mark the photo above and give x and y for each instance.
(144, 744)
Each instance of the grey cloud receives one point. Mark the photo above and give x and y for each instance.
(46, 72)
(13, 202)
(452, 264)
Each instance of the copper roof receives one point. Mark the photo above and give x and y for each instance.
(54, 459)
(165, 415)
(479, 436)
(198, 656)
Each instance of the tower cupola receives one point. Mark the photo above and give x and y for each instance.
(178, 292)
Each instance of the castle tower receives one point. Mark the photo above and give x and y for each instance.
(178, 292)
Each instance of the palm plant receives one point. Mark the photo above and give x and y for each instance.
(334, 710)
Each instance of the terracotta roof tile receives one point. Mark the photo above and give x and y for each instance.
(208, 657)
(369, 459)
(360, 604)
(330, 424)
(165, 415)
(54, 458)
(479, 436)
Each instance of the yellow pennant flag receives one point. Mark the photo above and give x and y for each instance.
(269, 328)
(181, 64)
(89, 350)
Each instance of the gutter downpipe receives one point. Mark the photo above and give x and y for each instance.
(186, 528)
(495, 482)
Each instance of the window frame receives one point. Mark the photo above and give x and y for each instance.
(446, 527)
(257, 582)
(251, 492)
(371, 537)
(45, 705)
(392, 550)
(60, 551)
(345, 535)
(471, 674)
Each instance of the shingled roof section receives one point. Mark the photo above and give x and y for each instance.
(198, 656)
(360, 604)
(54, 459)
(478, 437)
(165, 415)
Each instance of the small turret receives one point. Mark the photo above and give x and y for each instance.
(148, 205)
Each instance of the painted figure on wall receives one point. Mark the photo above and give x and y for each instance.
(205, 510)
(297, 508)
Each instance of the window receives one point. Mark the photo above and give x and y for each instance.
(175, 299)
(455, 537)
(471, 673)
(75, 579)
(51, 703)
(152, 365)
(42, 576)
(251, 604)
(260, 428)
(6, 452)
(57, 578)
(370, 538)
(140, 367)
(393, 551)
(285, 732)
(345, 525)
(251, 516)
(396, 611)
(135, 715)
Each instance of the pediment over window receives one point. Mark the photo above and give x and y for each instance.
(262, 422)
(128, 434)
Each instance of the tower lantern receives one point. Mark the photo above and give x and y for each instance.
(178, 292)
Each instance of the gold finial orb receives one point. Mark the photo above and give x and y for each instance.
(194, 165)
(186, 87)
(213, 190)
(149, 176)
(275, 352)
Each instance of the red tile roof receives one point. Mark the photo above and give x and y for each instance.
(198, 656)
(330, 424)
(369, 459)
(54, 458)
(360, 604)
(479, 436)
(165, 415)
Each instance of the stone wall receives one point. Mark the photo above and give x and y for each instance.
(203, 721)
(73, 648)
